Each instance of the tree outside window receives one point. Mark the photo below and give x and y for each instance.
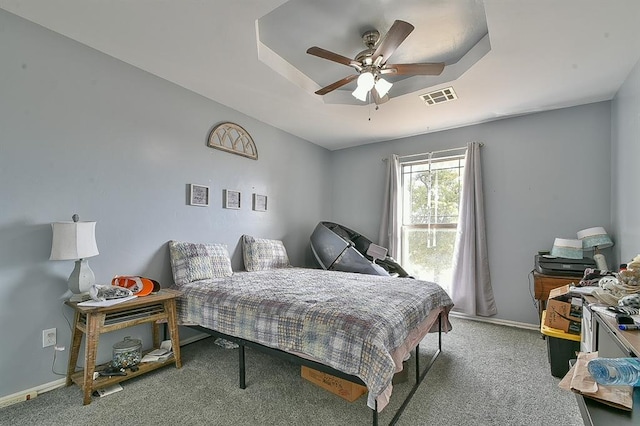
(430, 200)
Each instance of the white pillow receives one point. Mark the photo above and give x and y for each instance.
(198, 261)
(260, 254)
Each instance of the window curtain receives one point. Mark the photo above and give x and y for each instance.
(471, 283)
(389, 235)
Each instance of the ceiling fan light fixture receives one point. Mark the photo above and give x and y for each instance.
(366, 81)
(360, 94)
(382, 86)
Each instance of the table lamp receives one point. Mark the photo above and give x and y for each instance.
(595, 239)
(76, 241)
(569, 249)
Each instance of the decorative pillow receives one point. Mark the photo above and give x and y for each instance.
(260, 254)
(192, 262)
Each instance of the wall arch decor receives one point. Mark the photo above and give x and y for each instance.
(234, 139)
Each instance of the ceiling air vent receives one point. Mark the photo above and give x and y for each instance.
(439, 96)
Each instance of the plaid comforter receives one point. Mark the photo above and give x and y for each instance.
(351, 322)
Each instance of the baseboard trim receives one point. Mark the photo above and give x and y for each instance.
(28, 394)
(496, 321)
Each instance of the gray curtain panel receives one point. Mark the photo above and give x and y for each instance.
(471, 289)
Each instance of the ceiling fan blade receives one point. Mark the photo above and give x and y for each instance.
(399, 31)
(325, 54)
(337, 84)
(414, 69)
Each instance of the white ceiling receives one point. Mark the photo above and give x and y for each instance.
(453, 32)
(539, 55)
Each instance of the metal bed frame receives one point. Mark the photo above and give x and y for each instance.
(242, 344)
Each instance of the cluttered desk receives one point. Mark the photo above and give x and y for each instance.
(607, 333)
(604, 405)
(592, 325)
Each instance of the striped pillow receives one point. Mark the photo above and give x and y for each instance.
(260, 254)
(193, 262)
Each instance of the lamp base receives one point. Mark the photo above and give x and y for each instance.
(601, 262)
(82, 278)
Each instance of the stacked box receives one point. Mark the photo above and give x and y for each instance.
(564, 311)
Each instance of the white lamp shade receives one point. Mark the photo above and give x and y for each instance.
(360, 94)
(382, 87)
(366, 81)
(73, 240)
(594, 238)
(569, 249)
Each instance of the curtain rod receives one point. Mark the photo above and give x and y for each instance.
(432, 152)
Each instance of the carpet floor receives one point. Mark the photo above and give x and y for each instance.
(486, 375)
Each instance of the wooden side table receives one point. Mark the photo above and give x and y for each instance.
(93, 321)
(543, 284)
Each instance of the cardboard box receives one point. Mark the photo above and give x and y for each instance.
(343, 388)
(564, 311)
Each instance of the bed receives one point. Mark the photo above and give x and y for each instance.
(359, 326)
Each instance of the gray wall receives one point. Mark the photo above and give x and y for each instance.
(626, 173)
(546, 175)
(84, 133)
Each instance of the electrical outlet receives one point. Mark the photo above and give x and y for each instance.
(48, 337)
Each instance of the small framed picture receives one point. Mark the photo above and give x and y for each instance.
(231, 199)
(198, 195)
(259, 203)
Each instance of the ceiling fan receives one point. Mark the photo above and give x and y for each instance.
(371, 64)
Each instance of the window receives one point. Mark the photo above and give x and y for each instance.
(430, 200)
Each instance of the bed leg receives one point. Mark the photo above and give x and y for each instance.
(375, 415)
(440, 331)
(241, 362)
(417, 363)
